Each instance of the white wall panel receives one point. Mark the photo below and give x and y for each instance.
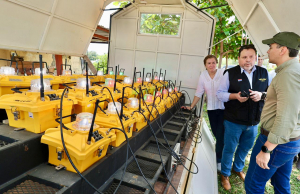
(191, 93)
(127, 30)
(190, 15)
(259, 17)
(168, 62)
(148, 9)
(148, 43)
(286, 21)
(195, 38)
(169, 44)
(172, 9)
(61, 26)
(43, 5)
(190, 69)
(83, 12)
(205, 159)
(145, 60)
(244, 7)
(124, 58)
(21, 27)
(131, 14)
(269, 18)
(182, 53)
(75, 38)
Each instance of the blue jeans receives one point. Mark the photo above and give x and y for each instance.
(280, 164)
(216, 119)
(239, 139)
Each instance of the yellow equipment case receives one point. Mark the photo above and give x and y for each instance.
(83, 153)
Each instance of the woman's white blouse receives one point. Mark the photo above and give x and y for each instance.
(210, 87)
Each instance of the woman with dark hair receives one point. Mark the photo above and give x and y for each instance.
(209, 83)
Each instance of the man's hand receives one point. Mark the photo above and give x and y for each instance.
(255, 96)
(186, 107)
(241, 99)
(262, 160)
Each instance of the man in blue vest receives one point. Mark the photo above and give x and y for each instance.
(242, 89)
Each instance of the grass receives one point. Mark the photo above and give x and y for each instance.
(237, 185)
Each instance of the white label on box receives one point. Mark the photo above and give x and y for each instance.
(30, 114)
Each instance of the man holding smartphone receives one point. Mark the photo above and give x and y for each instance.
(242, 89)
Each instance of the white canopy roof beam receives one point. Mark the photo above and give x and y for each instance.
(250, 13)
(270, 18)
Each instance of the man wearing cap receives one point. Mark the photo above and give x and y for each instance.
(279, 141)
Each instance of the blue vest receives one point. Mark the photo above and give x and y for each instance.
(246, 113)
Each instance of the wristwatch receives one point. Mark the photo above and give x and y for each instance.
(263, 96)
(265, 149)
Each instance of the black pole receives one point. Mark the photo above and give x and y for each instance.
(133, 77)
(121, 116)
(152, 76)
(12, 58)
(143, 76)
(32, 68)
(17, 67)
(175, 84)
(159, 74)
(66, 64)
(179, 86)
(41, 78)
(165, 75)
(115, 84)
(92, 124)
(87, 79)
(140, 99)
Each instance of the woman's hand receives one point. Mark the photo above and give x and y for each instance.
(186, 107)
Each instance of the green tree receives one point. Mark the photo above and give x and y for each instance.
(121, 4)
(101, 62)
(160, 24)
(226, 25)
(92, 55)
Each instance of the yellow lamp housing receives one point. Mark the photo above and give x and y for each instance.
(100, 76)
(7, 82)
(82, 154)
(55, 81)
(69, 80)
(91, 78)
(27, 110)
(153, 112)
(87, 103)
(116, 95)
(132, 109)
(110, 119)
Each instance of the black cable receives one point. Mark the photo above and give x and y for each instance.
(166, 138)
(153, 133)
(65, 148)
(176, 156)
(128, 143)
(124, 171)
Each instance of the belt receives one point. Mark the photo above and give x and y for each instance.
(266, 133)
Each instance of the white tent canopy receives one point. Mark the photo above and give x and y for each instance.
(263, 19)
(51, 26)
